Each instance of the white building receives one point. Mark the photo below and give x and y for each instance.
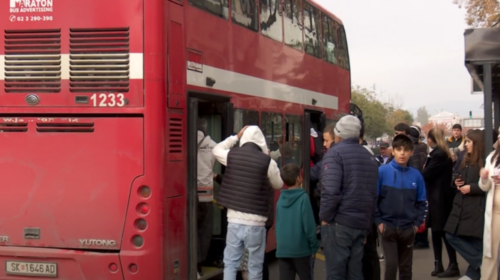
(446, 118)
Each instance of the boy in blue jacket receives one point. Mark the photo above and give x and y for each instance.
(401, 209)
(295, 228)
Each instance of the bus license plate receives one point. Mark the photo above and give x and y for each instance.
(31, 268)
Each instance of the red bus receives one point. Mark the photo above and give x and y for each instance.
(99, 103)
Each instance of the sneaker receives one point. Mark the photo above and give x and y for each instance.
(465, 277)
(199, 275)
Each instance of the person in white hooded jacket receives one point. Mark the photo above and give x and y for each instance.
(205, 183)
(244, 192)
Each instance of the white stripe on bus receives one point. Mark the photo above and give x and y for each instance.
(225, 80)
(244, 84)
(136, 66)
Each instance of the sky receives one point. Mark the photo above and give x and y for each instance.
(411, 50)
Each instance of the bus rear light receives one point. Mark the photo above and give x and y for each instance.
(144, 191)
(133, 268)
(141, 224)
(113, 267)
(137, 240)
(143, 208)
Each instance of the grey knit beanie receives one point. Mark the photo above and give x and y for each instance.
(348, 127)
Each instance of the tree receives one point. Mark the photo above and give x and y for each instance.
(422, 115)
(398, 116)
(481, 13)
(394, 102)
(428, 126)
(374, 112)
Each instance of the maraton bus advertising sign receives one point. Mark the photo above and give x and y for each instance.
(31, 6)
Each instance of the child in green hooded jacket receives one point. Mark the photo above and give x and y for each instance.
(295, 228)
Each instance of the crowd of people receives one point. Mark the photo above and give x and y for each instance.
(446, 186)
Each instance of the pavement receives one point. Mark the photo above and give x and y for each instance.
(423, 264)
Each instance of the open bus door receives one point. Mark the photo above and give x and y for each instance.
(216, 252)
(218, 111)
(317, 120)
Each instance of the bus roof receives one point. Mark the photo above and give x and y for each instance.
(324, 10)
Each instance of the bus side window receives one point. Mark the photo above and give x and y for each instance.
(312, 39)
(293, 24)
(271, 19)
(217, 8)
(293, 145)
(272, 127)
(244, 13)
(244, 117)
(329, 40)
(342, 50)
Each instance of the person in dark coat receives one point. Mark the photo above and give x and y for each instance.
(418, 159)
(317, 152)
(421, 146)
(348, 180)
(420, 151)
(438, 174)
(371, 263)
(464, 229)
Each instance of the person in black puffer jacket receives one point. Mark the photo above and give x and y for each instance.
(349, 179)
(245, 193)
(269, 224)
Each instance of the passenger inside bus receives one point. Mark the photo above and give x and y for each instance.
(205, 165)
(208, 216)
(316, 153)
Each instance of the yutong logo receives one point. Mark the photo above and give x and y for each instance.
(31, 6)
(97, 242)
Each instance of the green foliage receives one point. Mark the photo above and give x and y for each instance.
(374, 112)
(380, 117)
(398, 116)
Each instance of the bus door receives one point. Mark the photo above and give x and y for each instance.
(317, 120)
(216, 111)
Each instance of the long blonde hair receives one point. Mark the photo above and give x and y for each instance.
(436, 135)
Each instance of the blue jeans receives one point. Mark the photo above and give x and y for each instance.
(471, 249)
(343, 247)
(238, 238)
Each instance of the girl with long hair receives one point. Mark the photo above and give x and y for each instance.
(464, 229)
(438, 174)
(490, 183)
